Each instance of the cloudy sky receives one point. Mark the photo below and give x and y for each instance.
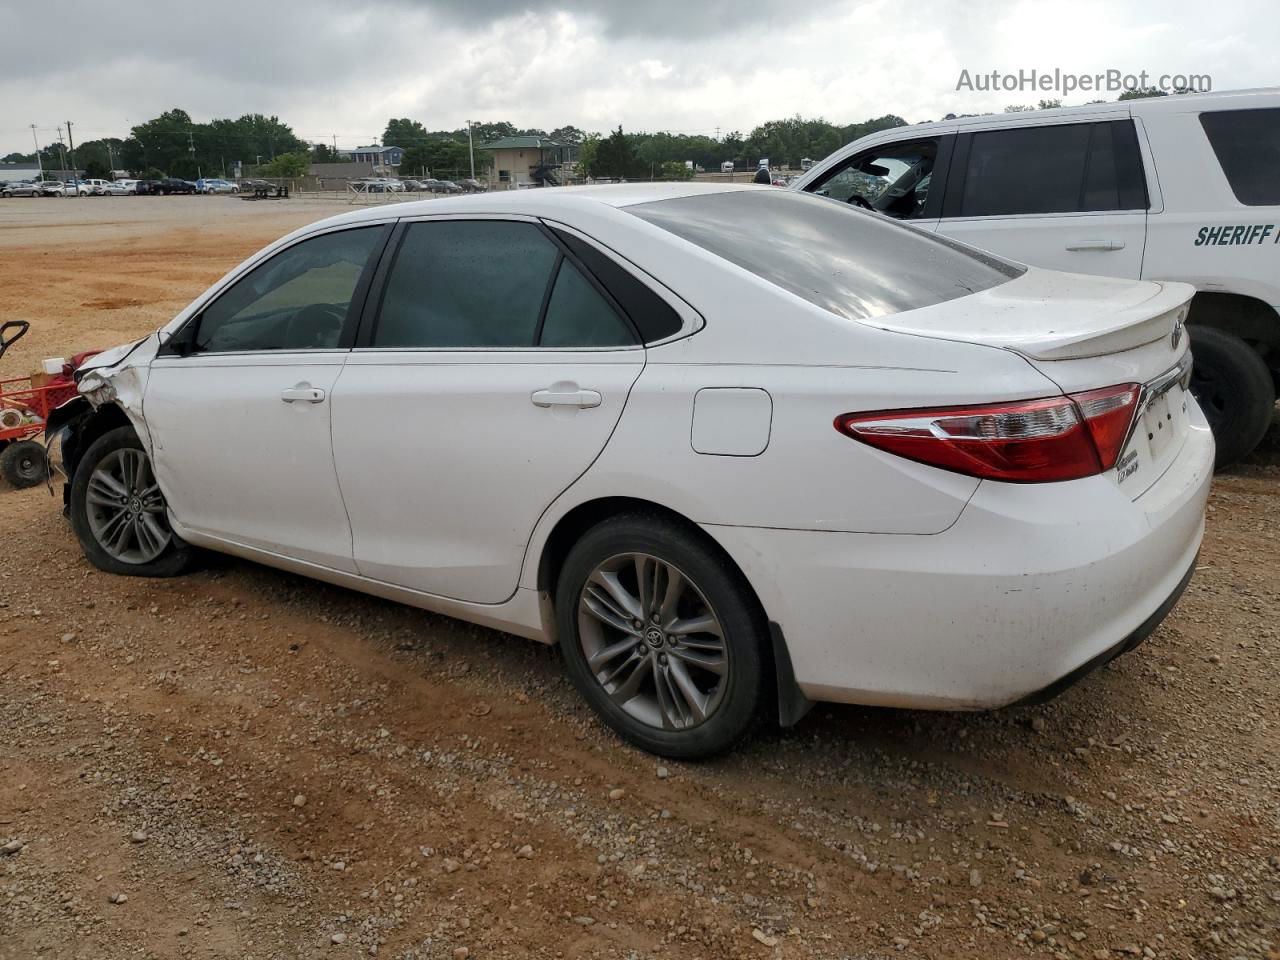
(342, 68)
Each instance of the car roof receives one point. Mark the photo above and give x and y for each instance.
(546, 201)
(1174, 103)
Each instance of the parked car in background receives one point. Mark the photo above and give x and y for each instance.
(130, 186)
(471, 185)
(1166, 188)
(448, 186)
(856, 463)
(172, 185)
(57, 188)
(110, 189)
(215, 185)
(95, 186)
(20, 188)
(413, 186)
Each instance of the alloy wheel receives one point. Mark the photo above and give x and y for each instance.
(125, 508)
(653, 642)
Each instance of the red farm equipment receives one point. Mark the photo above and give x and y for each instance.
(25, 403)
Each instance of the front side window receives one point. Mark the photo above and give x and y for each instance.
(297, 300)
(1247, 145)
(1062, 168)
(892, 179)
(490, 284)
(854, 264)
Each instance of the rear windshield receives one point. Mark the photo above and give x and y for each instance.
(1247, 144)
(856, 264)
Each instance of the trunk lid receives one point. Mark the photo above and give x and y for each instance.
(1085, 332)
(1047, 315)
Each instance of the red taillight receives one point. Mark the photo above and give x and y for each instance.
(1108, 413)
(1028, 441)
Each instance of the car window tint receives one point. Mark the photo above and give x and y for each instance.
(651, 315)
(1061, 168)
(893, 178)
(578, 315)
(853, 263)
(466, 283)
(1247, 144)
(297, 300)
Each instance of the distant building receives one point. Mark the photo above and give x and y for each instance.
(18, 171)
(517, 159)
(378, 156)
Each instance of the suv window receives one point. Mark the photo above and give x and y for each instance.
(1247, 144)
(297, 300)
(491, 283)
(893, 178)
(1061, 168)
(856, 265)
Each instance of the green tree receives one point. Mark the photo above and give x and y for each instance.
(616, 157)
(96, 170)
(588, 151)
(287, 165)
(568, 134)
(323, 153)
(404, 133)
(1141, 93)
(18, 158)
(442, 157)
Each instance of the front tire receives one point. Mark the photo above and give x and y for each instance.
(119, 514)
(662, 636)
(1234, 389)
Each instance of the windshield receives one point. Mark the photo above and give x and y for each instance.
(853, 263)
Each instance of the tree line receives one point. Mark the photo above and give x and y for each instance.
(172, 144)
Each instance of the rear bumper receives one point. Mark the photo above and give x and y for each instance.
(1033, 586)
(1130, 642)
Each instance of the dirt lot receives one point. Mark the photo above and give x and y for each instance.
(246, 764)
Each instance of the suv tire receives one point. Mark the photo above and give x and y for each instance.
(1235, 390)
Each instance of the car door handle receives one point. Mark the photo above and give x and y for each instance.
(303, 392)
(562, 395)
(1095, 245)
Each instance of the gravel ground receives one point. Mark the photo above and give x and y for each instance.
(245, 764)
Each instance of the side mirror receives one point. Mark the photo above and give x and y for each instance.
(183, 343)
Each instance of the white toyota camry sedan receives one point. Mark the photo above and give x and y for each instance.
(734, 449)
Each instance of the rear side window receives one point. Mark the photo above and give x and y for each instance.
(855, 264)
(1063, 168)
(1247, 144)
(466, 283)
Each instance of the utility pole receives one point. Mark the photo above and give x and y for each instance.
(335, 147)
(111, 160)
(62, 150)
(39, 160)
(471, 150)
(71, 144)
(191, 149)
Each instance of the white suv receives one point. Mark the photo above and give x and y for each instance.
(1168, 188)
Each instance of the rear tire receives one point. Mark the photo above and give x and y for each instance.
(23, 464)
(1234, 388)
(689, 680)
(118, 513)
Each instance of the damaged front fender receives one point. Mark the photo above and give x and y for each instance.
(119, 377)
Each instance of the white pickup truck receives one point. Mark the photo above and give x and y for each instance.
(1168, 188)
